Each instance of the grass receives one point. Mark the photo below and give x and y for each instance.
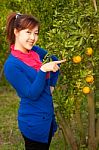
(10, 137)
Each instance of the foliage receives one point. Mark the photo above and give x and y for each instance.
(71, 35)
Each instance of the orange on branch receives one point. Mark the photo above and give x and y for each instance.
(86, 90)
(77, 59)
(89, 79)
(89, 51)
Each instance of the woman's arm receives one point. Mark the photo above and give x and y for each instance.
(53, 75)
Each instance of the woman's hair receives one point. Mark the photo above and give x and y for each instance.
(20, 22)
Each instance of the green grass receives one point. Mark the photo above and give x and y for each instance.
(10, 137)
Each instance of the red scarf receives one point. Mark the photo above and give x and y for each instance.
(31, 58)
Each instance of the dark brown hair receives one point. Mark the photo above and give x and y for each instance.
(20, 22)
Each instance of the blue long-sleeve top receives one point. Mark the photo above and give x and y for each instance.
(36, 112)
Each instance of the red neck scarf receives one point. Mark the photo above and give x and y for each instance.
(31, 58)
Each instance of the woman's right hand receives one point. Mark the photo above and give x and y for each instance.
(52, 66)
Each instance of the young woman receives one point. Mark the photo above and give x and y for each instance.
(32, 80)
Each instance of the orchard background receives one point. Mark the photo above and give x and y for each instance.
(69, 29)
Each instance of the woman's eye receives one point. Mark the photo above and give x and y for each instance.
(29, 32)
(36, 33)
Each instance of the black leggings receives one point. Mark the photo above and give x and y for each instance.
(33, 145)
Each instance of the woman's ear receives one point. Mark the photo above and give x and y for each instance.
(16, 32)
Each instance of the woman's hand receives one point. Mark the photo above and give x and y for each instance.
(51, 89)
(52, 66)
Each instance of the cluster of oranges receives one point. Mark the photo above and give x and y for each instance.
(89, 78)
(77, 59)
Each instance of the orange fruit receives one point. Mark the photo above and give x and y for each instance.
(89, 79)
(89, 51)
(86, 90)
(77, 59)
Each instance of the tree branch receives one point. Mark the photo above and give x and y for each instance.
(95, 5)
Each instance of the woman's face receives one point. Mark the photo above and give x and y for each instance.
(25, 39)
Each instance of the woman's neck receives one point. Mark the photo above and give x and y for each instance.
(18, 47)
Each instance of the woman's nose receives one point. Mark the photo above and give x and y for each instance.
(32, 36)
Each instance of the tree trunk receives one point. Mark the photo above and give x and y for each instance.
(79, 123)
(68, 134)
(1, 73)
(66, 142)
(91, 121)
(97, 132)
(96, 71)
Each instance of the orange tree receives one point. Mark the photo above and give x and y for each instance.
(74, 36)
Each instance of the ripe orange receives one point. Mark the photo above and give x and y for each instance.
(86, 90)
(77, 59)
(89, 51)
(89, 79)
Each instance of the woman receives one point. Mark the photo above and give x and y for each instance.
(32, 80)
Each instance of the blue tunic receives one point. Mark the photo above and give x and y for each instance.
(36, 112)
